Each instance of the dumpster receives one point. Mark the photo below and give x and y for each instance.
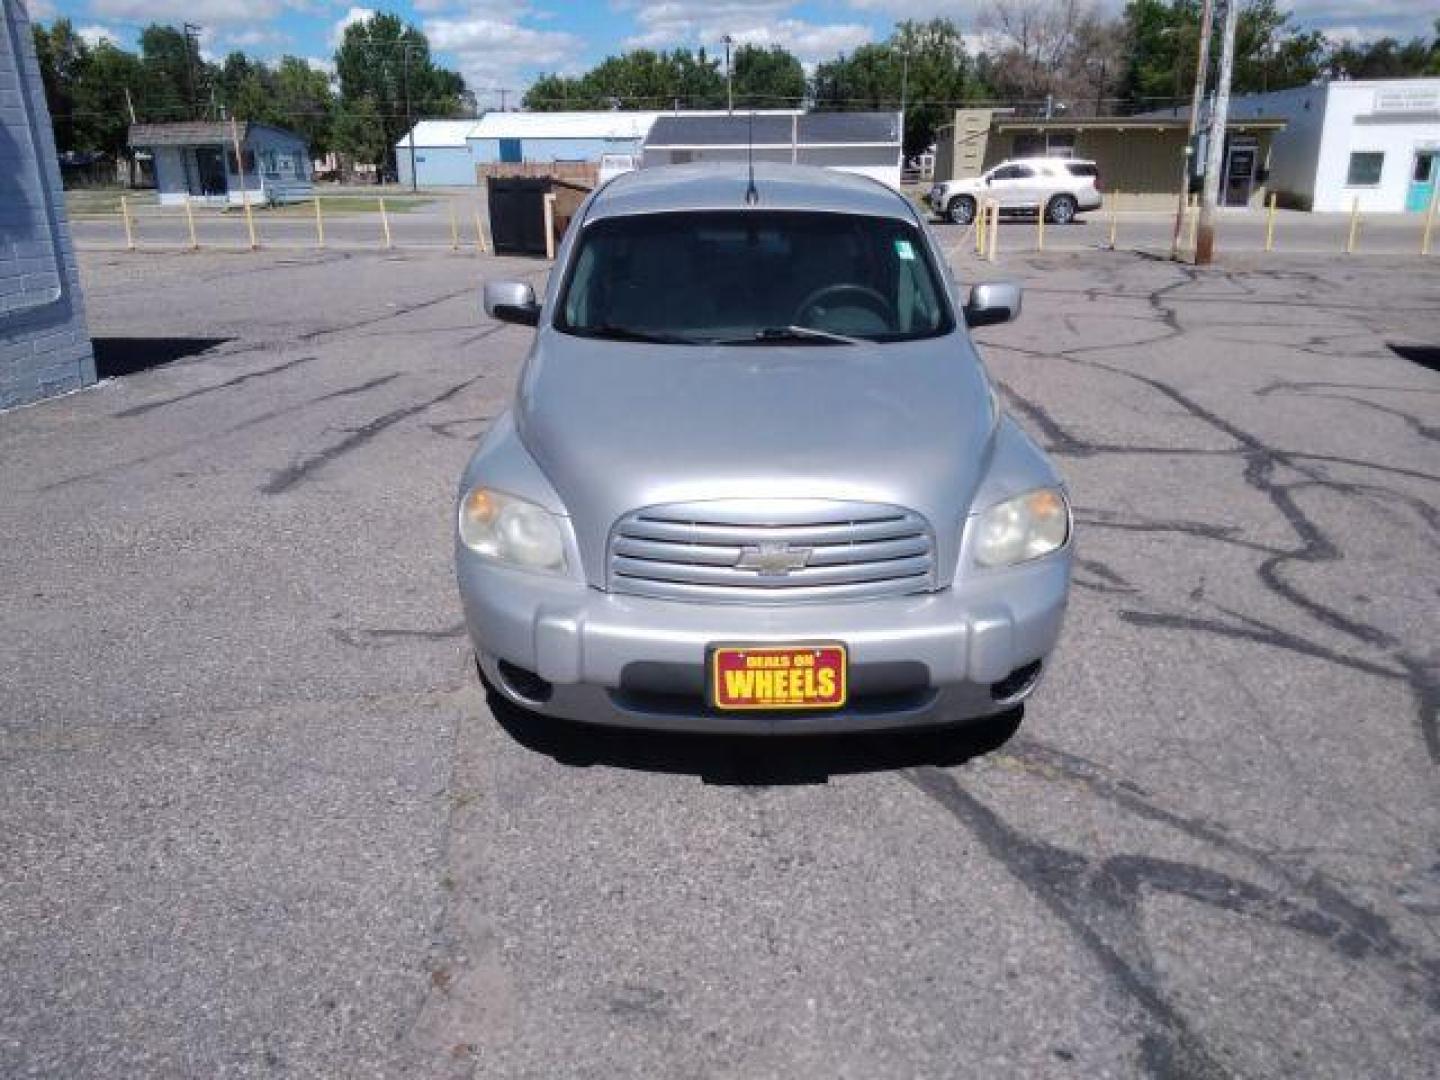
(517, 211)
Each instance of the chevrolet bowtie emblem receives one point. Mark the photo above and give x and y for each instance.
(773, 558)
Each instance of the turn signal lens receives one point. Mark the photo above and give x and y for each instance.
(511, 530)
(1023, 528)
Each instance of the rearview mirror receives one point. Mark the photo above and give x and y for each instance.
(992, 302)
(511, 301)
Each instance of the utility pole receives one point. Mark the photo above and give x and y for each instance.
(192, 45)
(409, 116)
(1202, 67)
(503, 92)
(1215, 144)
(729, 85)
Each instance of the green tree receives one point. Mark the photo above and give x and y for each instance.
(640, 79)
(927, 60)
(304, 98)
(246, 89)
(1163, 38)
(176, 81)
(360, 132)
(63, 58)
(770, 78)
(1387, 58)
(380, 63)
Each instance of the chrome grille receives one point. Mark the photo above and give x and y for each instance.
(772, 551)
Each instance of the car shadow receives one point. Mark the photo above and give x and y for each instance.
(752, 760)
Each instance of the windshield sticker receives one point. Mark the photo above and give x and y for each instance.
(904, 250)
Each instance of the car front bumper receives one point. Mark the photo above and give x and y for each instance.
(608, 658)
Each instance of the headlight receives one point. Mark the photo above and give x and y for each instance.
(1023, 528)
(511, 530)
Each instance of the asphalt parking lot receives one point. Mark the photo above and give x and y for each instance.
(259, 820)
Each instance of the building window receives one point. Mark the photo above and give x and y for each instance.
(1365, 169)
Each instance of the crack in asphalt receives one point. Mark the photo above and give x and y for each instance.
(1261, 461)
(1099, 900)
(304, 469)
(238, 380)
(260, 418)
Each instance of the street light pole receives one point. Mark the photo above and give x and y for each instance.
(1215, 144)
(729, 85)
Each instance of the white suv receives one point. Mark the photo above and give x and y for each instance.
(1062, 186)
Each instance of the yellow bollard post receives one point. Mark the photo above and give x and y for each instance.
(1114, 212)
(319, 224)
(479, 234)
(190, 223)
(550, 226)
(1429, 222)
(244, 191)
(385, 223)
(977, 222)
(1270, 224)
(454, 229)
(125, 217)
(1354, 233)
(1040, 229)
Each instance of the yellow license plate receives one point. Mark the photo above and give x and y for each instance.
(778, 676)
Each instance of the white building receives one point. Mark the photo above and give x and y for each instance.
(867, 143)
(1377, 141)
(442, 156)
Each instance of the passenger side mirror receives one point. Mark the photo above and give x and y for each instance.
(992, 302)
(511, 301)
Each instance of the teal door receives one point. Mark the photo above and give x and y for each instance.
(1422, 180)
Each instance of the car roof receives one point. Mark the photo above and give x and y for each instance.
(722, 186)
(1044, 159)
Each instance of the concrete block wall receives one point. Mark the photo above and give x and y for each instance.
(44, 342)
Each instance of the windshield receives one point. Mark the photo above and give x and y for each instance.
(747, 276)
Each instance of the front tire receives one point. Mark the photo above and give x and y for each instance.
(961, 210)
(1061, 210)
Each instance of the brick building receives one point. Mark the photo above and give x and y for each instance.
(44, 345)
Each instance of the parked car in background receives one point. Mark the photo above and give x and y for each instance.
(1062, 187)
(755, 477)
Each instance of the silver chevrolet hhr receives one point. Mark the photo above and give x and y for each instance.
(755, 477)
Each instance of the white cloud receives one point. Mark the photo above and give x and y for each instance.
(40, 10)
(494, 51)
(206, 12)
(672, 23)
(321, 64)
(94, 35)
(350, 18)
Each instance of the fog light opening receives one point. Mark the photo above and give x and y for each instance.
(523, 685)
(1017, 683)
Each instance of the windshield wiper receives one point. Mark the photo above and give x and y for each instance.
(770, 334)
(612, 332)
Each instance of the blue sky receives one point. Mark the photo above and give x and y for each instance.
(506, 43)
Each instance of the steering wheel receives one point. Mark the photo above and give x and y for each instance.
(867, 296)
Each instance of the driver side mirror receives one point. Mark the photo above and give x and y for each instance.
(992, 303)
(511, 301)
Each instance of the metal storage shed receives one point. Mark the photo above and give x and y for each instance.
(868, 143)
(518, 137)
(442, 155)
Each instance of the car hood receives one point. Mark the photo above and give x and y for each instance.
(619, 426)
